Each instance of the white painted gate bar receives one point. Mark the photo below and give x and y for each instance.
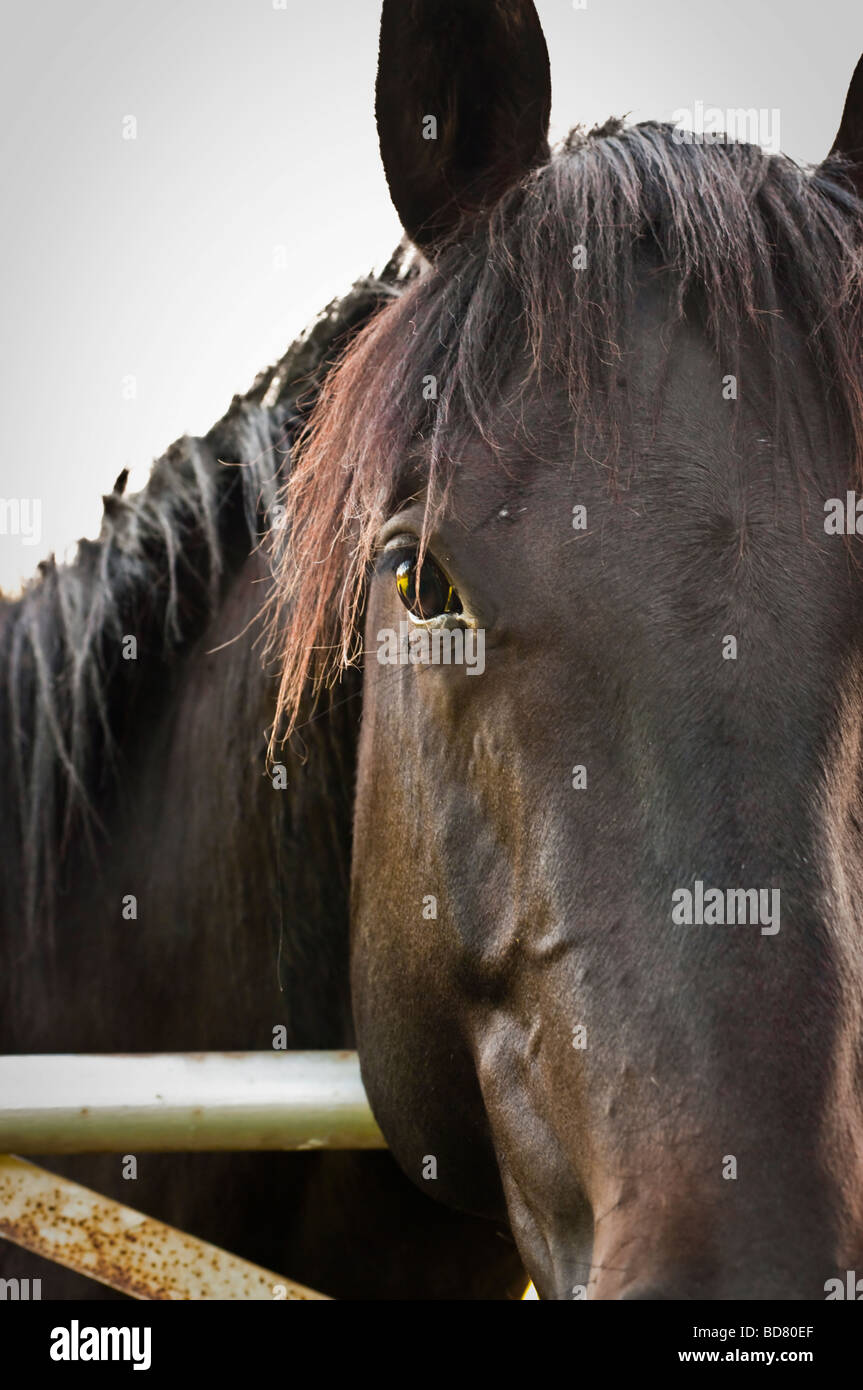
(184, 1102)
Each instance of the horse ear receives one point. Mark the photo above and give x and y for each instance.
(462, 102)
(849, 139)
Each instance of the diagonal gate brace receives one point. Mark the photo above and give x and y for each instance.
(122, 1248)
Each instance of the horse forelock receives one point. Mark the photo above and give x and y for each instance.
(541, 292)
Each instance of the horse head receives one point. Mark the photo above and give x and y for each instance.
(569, 496)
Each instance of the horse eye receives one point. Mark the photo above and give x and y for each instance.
(426, 592)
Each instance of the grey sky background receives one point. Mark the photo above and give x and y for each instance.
(156, 257)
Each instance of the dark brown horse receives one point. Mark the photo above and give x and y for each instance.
(606, 935)
(593, 436)
(145, 777)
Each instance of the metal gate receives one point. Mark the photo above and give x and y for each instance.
(172, 1102)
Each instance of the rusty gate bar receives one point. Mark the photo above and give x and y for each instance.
(184, 1102)
(122, 1248)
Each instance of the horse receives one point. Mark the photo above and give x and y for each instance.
(159, 893)
(591, 434)
(606, 938)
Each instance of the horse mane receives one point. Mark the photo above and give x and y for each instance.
(157, 571)
(745, 241)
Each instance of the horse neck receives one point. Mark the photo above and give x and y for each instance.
(246, 878)
(211, 908)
